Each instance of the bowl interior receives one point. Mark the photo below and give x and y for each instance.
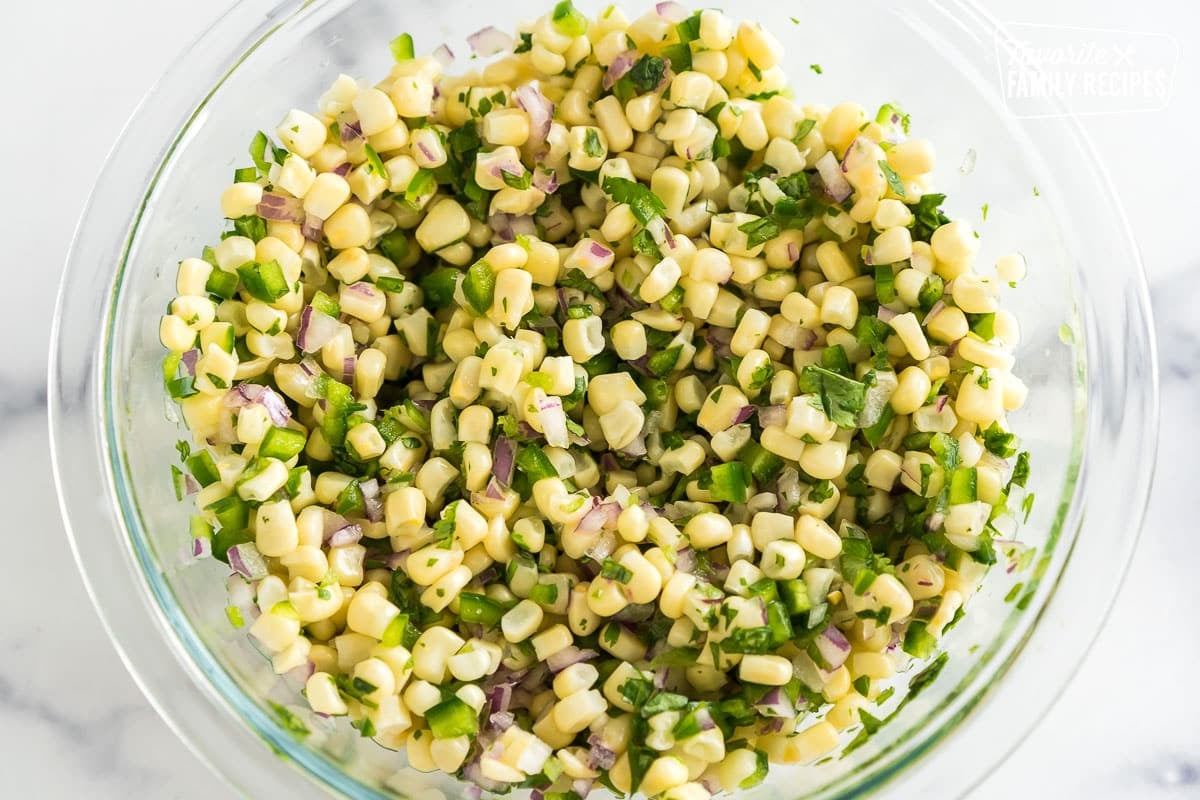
(935, 63)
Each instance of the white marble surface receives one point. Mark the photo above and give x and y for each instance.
(73, 723)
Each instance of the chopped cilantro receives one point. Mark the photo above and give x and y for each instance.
(893, 180)
(840, 397)
(759, 231)
(647, 73)
(644, 204)
(804, 129)
(928, 216)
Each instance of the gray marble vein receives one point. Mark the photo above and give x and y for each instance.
(1177, 316)
(21, 396)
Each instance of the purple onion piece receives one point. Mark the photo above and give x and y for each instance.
(488, 41)
(345, 536)
(311, 228)
(772, 415)
(352, 131)
(744, 413)
(188, 359)
(443, 55)
(502, 460)
(619, 66)
(671, 11)
(833, 646)
(539, 109)
(245, 560)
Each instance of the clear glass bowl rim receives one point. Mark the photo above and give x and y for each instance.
(217, 722)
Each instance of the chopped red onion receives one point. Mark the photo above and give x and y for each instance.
(554, 421)
(773, 725)
(539, 109)
(248, 394)
(602, 515)
(832, 178)
(861, 154)
(188, 359)
(348, 365)
(316, 330)
(494, 490)
(941, 402)
(635, 449)
(201, 547)
(806, 339)
(788, 490)
(333, 522)
(443, 55)
(833, 646)
(502, 460)
(245, 560)
(886, 314)
(342, 169)
(280, 208)
(502, 720)
(352, 131)
(952, 348)
(545, 180)
(347, 535)
(772, 415)
(744, 413)
(311, 227)
(934, 521)
(489, 41)
(685, 560)
(619, 66)
(793, 252)
(509, 226)
(499, 697)
(371, 499)
(595, 258)
(425, 151)
(719, 338)
(938, 308)
(569, 657)
(600, 757)
(671, 11)
(661, 232)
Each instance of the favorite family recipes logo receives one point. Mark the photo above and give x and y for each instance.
(1048, 70)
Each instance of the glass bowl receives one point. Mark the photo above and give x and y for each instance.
(1087, 354)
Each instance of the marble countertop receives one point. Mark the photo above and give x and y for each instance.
(74, 724)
